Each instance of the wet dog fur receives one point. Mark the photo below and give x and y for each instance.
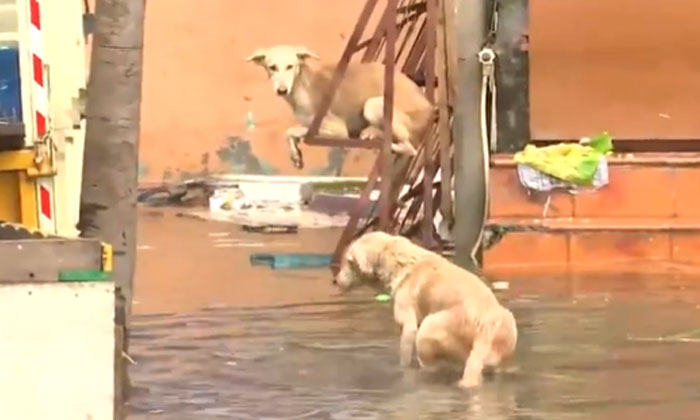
(445, 312)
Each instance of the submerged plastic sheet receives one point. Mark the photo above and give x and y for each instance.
(276, 261)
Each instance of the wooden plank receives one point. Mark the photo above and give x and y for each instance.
(35, 260)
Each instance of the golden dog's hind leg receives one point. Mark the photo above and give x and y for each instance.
(434, 343)
(406, 317)
(373, 112)
(480, 355)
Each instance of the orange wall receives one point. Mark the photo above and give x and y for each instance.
(627, 66)
(198, 89)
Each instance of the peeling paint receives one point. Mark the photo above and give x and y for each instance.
(144, 169)
(238, 156)
(167, 175)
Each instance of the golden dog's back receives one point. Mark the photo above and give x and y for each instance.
(439, 284)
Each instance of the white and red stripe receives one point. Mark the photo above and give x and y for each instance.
(45, 198)
(40, 95)
(40, 107)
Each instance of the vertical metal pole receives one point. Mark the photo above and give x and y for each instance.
(428, 167)
(340, 69)
(385, 205)
(470, 169)
(446, 97)
(108, 200)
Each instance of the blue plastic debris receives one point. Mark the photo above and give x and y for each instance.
(276, 261)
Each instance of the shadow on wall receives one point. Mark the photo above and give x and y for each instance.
(237, 157)
(336, 160)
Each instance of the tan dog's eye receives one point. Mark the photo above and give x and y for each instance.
(289, 67)
(273, 67)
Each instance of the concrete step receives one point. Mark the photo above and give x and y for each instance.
(643, 185)
(604, 244)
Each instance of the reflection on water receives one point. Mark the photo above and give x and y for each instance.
(338, 360)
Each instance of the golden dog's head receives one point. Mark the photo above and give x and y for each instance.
(361, 261)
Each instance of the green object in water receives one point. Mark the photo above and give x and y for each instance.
(276, 261)
(382, 297)
(572, 162)
(75, 276)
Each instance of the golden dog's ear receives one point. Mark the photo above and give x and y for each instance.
(360, 260)
(258, 57)
(303, 53)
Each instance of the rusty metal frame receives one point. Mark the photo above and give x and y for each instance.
(418, 27)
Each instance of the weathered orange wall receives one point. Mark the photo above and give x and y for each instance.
(631, 67)
(198, 89)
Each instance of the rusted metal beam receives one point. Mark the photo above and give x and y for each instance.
(410, 22)
(389, 54)
(416, 37)
(430, 42)
(429, 169)
(349, 230)
(344, 142)
(451, 49)
(444, 129)
(342, 66)
(410, 66)
(376, 40)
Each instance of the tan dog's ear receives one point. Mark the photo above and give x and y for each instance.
(303, 53)
(258, 57)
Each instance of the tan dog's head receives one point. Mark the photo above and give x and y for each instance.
(282, 63)
(361, 261)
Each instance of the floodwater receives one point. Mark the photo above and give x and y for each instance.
(215, 338)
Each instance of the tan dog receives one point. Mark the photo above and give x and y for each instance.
(446, 313)
(358, 105)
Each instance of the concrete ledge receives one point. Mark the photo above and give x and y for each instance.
(593, 250)
(41, 260)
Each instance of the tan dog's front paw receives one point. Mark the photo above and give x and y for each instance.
(371, 133)
(295, 153)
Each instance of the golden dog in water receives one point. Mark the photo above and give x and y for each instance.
(446, 313)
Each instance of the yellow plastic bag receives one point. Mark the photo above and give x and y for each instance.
(572, 162)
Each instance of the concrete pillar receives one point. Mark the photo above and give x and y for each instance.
(470, 191)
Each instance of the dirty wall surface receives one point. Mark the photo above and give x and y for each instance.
(205, 109)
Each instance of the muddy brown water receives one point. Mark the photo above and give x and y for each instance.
(215, 338)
